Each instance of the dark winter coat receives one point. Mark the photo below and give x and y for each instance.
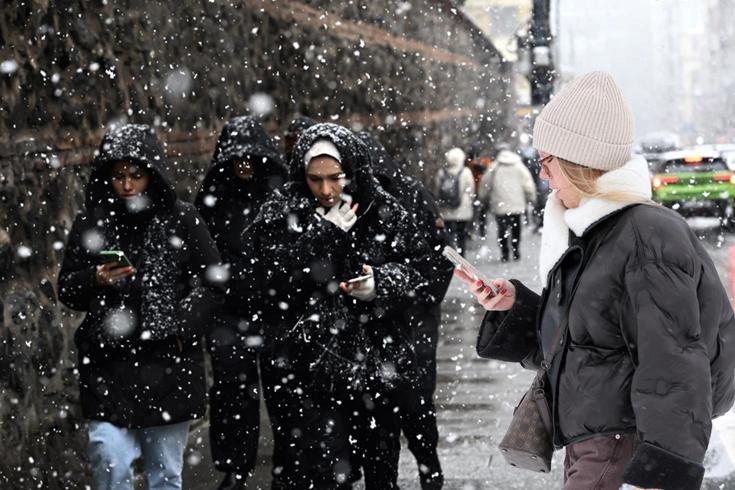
(422, 208)
(649, 346)
(300, 258)
(150, 371)
(229, 204)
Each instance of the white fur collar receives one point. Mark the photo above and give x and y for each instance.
(632, 178)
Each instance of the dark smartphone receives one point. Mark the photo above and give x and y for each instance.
(116, 256)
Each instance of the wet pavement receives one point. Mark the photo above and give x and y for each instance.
(475, 397)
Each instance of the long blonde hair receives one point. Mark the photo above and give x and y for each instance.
(584, 180)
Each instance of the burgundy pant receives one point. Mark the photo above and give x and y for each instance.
(598, 463)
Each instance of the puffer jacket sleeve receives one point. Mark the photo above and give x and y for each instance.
(672, 377)
(77, 288)
(511, 335)
(206, 275)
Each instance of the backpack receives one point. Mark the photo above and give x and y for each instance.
(449, 195)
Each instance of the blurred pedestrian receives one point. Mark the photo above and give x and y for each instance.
(418, 412)
(337, 260)
(245, 168)
(507, 190)
(454, 189)
(141, 362)
(633, 332)
(479, 165)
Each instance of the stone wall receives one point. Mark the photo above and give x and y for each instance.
(421, 77)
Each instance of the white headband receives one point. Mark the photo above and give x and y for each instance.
(322, 147)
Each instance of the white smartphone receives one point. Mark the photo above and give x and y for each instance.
(459, 261)
(358, 279)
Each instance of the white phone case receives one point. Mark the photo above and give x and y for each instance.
(459, 261)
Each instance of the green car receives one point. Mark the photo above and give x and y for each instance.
(694, 184)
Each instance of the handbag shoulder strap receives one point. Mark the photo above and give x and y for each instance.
(538, 393)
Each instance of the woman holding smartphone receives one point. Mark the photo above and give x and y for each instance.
(141, 365)
(638, 328)
(336, 259)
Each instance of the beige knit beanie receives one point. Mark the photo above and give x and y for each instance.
(588, 123)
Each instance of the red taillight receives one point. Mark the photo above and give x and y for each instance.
(662, 180)
(724, 177)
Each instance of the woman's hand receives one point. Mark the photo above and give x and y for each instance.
(110, 273)
(362, 290)
(502, 302)
(341, 214)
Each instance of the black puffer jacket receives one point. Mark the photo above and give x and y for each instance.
(300, 258)
(422, 208)
(229, 204)
(650, 345)
(139, 346)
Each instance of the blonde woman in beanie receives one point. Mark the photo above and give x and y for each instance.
(633, 327)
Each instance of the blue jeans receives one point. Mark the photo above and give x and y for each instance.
(112, 450)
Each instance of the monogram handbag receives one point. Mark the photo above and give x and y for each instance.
(527, 443)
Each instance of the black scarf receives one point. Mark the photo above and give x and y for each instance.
(157, 275)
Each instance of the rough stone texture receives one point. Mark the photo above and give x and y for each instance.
(422, 77)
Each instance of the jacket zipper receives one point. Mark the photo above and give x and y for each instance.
(562, 341)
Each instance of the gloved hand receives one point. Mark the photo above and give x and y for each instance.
(363, 290)
(341, 215)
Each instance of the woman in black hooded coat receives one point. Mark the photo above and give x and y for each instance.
(141, 364)
(245, 168)
(334, 361)
(418, 412)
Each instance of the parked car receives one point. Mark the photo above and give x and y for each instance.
(695, 184)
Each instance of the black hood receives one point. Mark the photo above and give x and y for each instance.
(137, 143)
(384, 167)
(299, 124)
(243, 137)
(356, 161)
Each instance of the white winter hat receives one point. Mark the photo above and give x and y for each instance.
(588, 123)
(322, 147)
(455, 157)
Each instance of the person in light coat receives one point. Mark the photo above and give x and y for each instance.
(507, 189)
(456, 215)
